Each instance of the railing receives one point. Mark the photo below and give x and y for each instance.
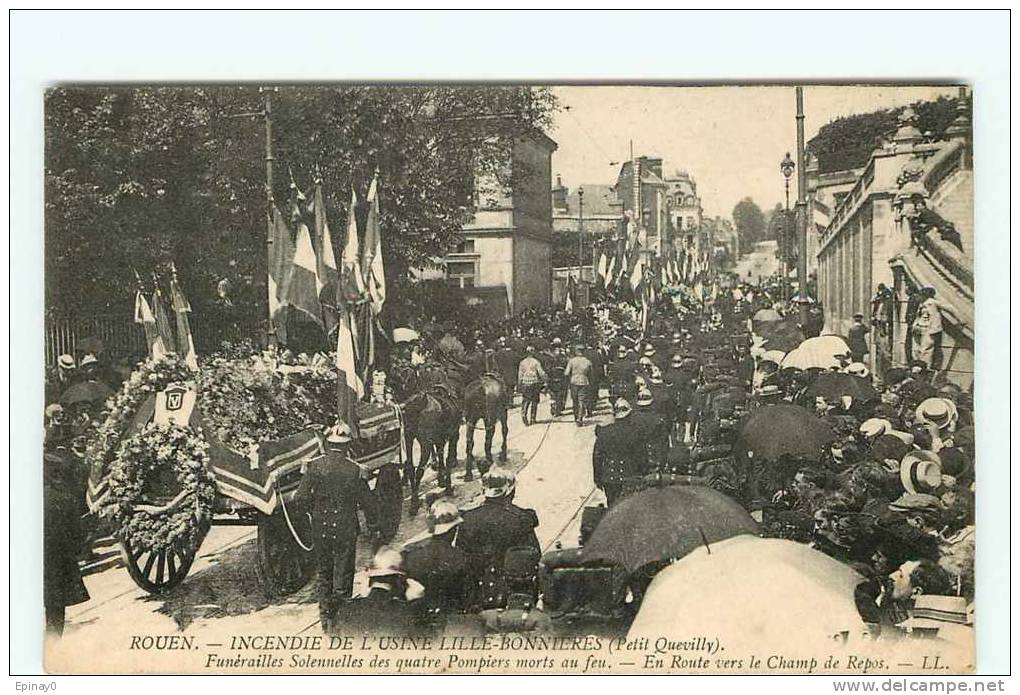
(123, 338)
(949, 160)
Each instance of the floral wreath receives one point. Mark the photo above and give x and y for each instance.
(159, 524)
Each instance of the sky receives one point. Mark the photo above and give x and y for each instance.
(730, 139)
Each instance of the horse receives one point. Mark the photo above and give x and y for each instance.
(485, 399)
(436, 427)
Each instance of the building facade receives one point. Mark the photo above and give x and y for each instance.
(873, 237)
(653, 204)
(508, 242)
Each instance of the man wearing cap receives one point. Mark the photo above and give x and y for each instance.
(440, 567)
(619, 457)
(333, 491)
(578, 372)
(554, 361)
(490, 530)
(393, 605)
(857, 338)
(531, 377)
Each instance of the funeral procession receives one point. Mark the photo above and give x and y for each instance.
(509, 378)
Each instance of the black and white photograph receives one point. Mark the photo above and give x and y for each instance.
(431, 376)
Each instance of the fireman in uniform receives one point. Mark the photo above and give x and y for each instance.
(333, 490)
(490, 530)
(616, 462)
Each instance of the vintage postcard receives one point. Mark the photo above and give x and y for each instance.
(509, 378)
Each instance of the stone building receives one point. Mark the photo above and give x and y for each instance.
(508, 243)
(653, 204)
(891, 227)
(685, 212)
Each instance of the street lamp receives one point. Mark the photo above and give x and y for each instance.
(580, 230)
(786, 167)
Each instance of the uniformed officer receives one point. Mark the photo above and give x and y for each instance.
(393, 604)
(441, 568)
(615, 460)
(333, 491)
(651, 430)
(555, 361)
(490, 530)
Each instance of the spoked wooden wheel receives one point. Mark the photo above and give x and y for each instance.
(157, 572)
(283, 565)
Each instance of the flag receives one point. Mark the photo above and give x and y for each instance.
(350, 387)
(603, 268)
(186, 344)
(281, 261)
(302, 289)
(372, 259)
(569, 304)
(166, 333)
(327, 274)
(611, 272)
(144, 316)
(636, 271)
(352, 287)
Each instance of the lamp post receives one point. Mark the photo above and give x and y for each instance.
(580, 231)
(787, 167)
(802, 298)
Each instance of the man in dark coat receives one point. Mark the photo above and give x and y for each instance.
(616, 461)
(490, 530)
(62, 535)
(333, 490)
(393, 605)
(857, 339)
(441, 568)
(507, 359)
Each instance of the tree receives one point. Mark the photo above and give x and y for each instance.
(749, 221)
(137, 177)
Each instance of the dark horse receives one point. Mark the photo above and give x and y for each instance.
(434, 422)
(485, 399)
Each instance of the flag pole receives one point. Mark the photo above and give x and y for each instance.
(267, 113)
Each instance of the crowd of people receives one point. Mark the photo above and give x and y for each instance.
(890, 490)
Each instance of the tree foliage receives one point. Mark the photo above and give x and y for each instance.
(137, 177)
(749, 221)
(847, 142)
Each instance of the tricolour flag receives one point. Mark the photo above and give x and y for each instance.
(302, 289)
(350, 387)
(603, 268)
(352, 286)
(144, 316)
(281, 262)
(327, 273)
(372, 258)
(636, 271)
(166, 333)
(569, 304)
(185, 343)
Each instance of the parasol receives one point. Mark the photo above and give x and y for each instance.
(763, 318)
(773, 356)
(86, 391)
(783, 428)
(834, 385)
(666, 523)
(405, 335)
(821, 352)
(755, 591)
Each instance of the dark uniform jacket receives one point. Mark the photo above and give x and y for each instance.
(334, 491)
(444, 572)
(488, 532)
(618, 456)
(381, 612)
(650, 432)
(62, 534)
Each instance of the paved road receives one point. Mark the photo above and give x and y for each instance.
(222, 596)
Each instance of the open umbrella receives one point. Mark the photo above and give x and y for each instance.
(782, 335)
(834, 385)
(821, 352)
(404, 335)
(773, 356)
(763, 318)
(666, 523)
(86, 391)
(749, 591)
(783, 428)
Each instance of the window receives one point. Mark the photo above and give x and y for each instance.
(461, 273)
(467, 246)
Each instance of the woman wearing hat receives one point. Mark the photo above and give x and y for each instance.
(392, 605)
(440, 567)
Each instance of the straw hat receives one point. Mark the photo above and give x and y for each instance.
(920, 471)
(386, 563)
(940, 412)
(66, 362)
(89, 359)
(858, 369)
(874, 427)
